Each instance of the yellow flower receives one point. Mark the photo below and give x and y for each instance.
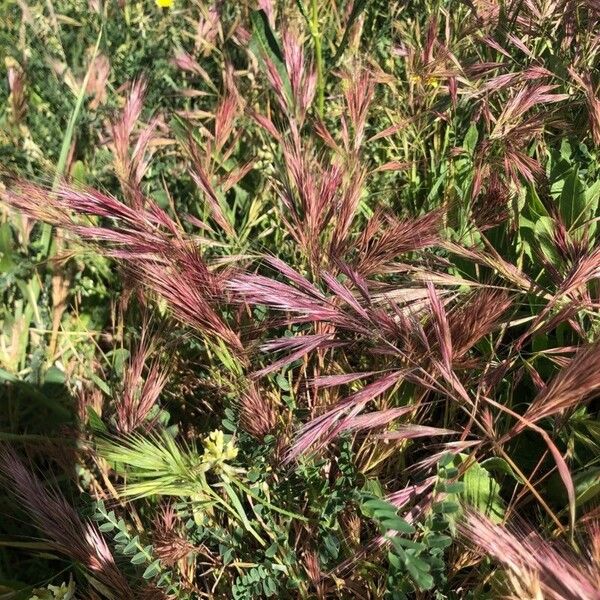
(164, 3)
(217, 452)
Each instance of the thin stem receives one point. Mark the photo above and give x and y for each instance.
(316, 35)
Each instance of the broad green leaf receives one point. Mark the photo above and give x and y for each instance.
(482, 492)
(592, 196)
(471, 138)
(543, 232)
(572, 201)
(587, 485)
(534, 207)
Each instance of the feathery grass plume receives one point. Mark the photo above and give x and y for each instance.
(201, 179)
(385, 237)
(225, 116)
(441, 328)
(528, 97)
(304, 300)
(377, 418)
(300, 346)
(314, 572)
(168, 542)
(321, 430)
(490, 207)
(310, 193)
(258, 414)
(475, 318)
(302, 74)
(325, 381)
(584, 81)
(132, 158)
(526, 555)
(581, 273)
(156, 465)
(206, 159)
(359, 93)
(410, 493)
(140, 394)
(410, 432)
(186, 62)
(309, 303)
(152, 247)
(319, 192)
(58, 520)
(505, 149)
(575, 384)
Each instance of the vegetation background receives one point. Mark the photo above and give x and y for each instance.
(299, 299)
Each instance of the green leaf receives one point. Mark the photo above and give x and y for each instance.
(565, 150)
(572, 201)
(152, 570)
(394, 560)
(101, 384)
(587, 485)
(265, 44)
(470, 141)
(78, 173)
(543, 238)
(377, 508)
(283, 383)
(397, 524)
(269, 587)
(131, 546)
(121, 537)
(55, 376)
(95, 421)
(482, 492)
(6, 376)
(239, 509)
(332, 545)
(592, 196)
(118, 357)
(446, 460)
(271, 551)
(386, 514)
(439, 541)
(228, 425)
(446, 507)
(534, 207)
(139, 558)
